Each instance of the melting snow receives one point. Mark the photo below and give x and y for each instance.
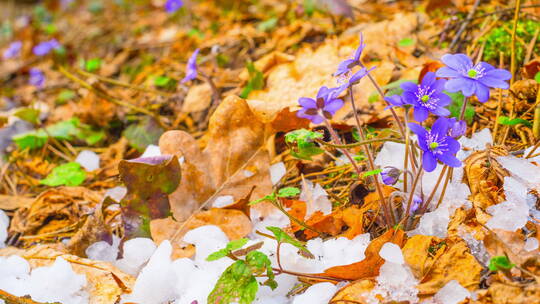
(451, 293)
(277, 171)
(316, 198)
(316, 294)
(4, 224)
(89, 160)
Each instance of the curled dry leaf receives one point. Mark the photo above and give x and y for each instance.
(484, 176)
(436, 262)
(13, 202)
(352, 293)
(106, 282)
(149, 181)
(54, 209)
(369, 266)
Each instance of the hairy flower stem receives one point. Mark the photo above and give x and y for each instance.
(367, 150)
(463, 108)
(407, 143)
(443, 192)
(380, 91)
(425, 204)
(411, 195)
(337, 141)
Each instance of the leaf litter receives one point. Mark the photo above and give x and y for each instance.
(172, 152)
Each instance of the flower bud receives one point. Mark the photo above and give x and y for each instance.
(390, 175)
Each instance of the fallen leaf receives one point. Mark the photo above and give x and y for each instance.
(13, 202)
(198, 98)
(352, 293)
(148, 181)
(106, 283)
(369, 266)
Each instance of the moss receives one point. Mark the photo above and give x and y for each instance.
(499, 40)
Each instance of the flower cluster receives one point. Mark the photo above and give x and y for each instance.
(46, 47)
(327, 102)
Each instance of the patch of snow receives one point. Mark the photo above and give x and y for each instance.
(328, 253)
(136, 253)
(320, 293)
(207, 239)
(391, 252)
(513, 213)
(116, 193)
(395, 283)
(477, 247)
(4, 224)
(89, 160)
(477, 142)
(151, 150)
(222, 201)
(248, 173)
(57, 283)
(531, 244)
(156, 283)
(259, 222)
(451, 293)
(103, 251)
(277, 172)
(316, 198)
(15, 273)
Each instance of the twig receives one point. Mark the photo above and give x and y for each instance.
(513, 45)
(464, 24)
(360, 143)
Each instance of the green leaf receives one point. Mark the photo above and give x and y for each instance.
(93, 65)
(283, 237)
(70, 174)
(537, 77)
(142, 134)
(271, 197)
(457, 103)
(302, 142)
(500, 263)
(194, 32)
(372, 172)
(267, 25)
(65, 130)
(161, 81)
(64, 96)
(504, 120)
(406, 42)
(231, 246)
(255, 82)
(236, 284)
(28, 114)
(259, 263)
(288, 192)
(149, 181)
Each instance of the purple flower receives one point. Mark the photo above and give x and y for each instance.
(426, 97)
(13, 50)
(456, 128)
(46, 47)
(417, 201)
(324, 107)
(472, 79)
(436, 144)
(172, 6)
(346, 65)
(355, 78)
(390, 175)
(396, 101)
(37, 78)
(191, 69)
